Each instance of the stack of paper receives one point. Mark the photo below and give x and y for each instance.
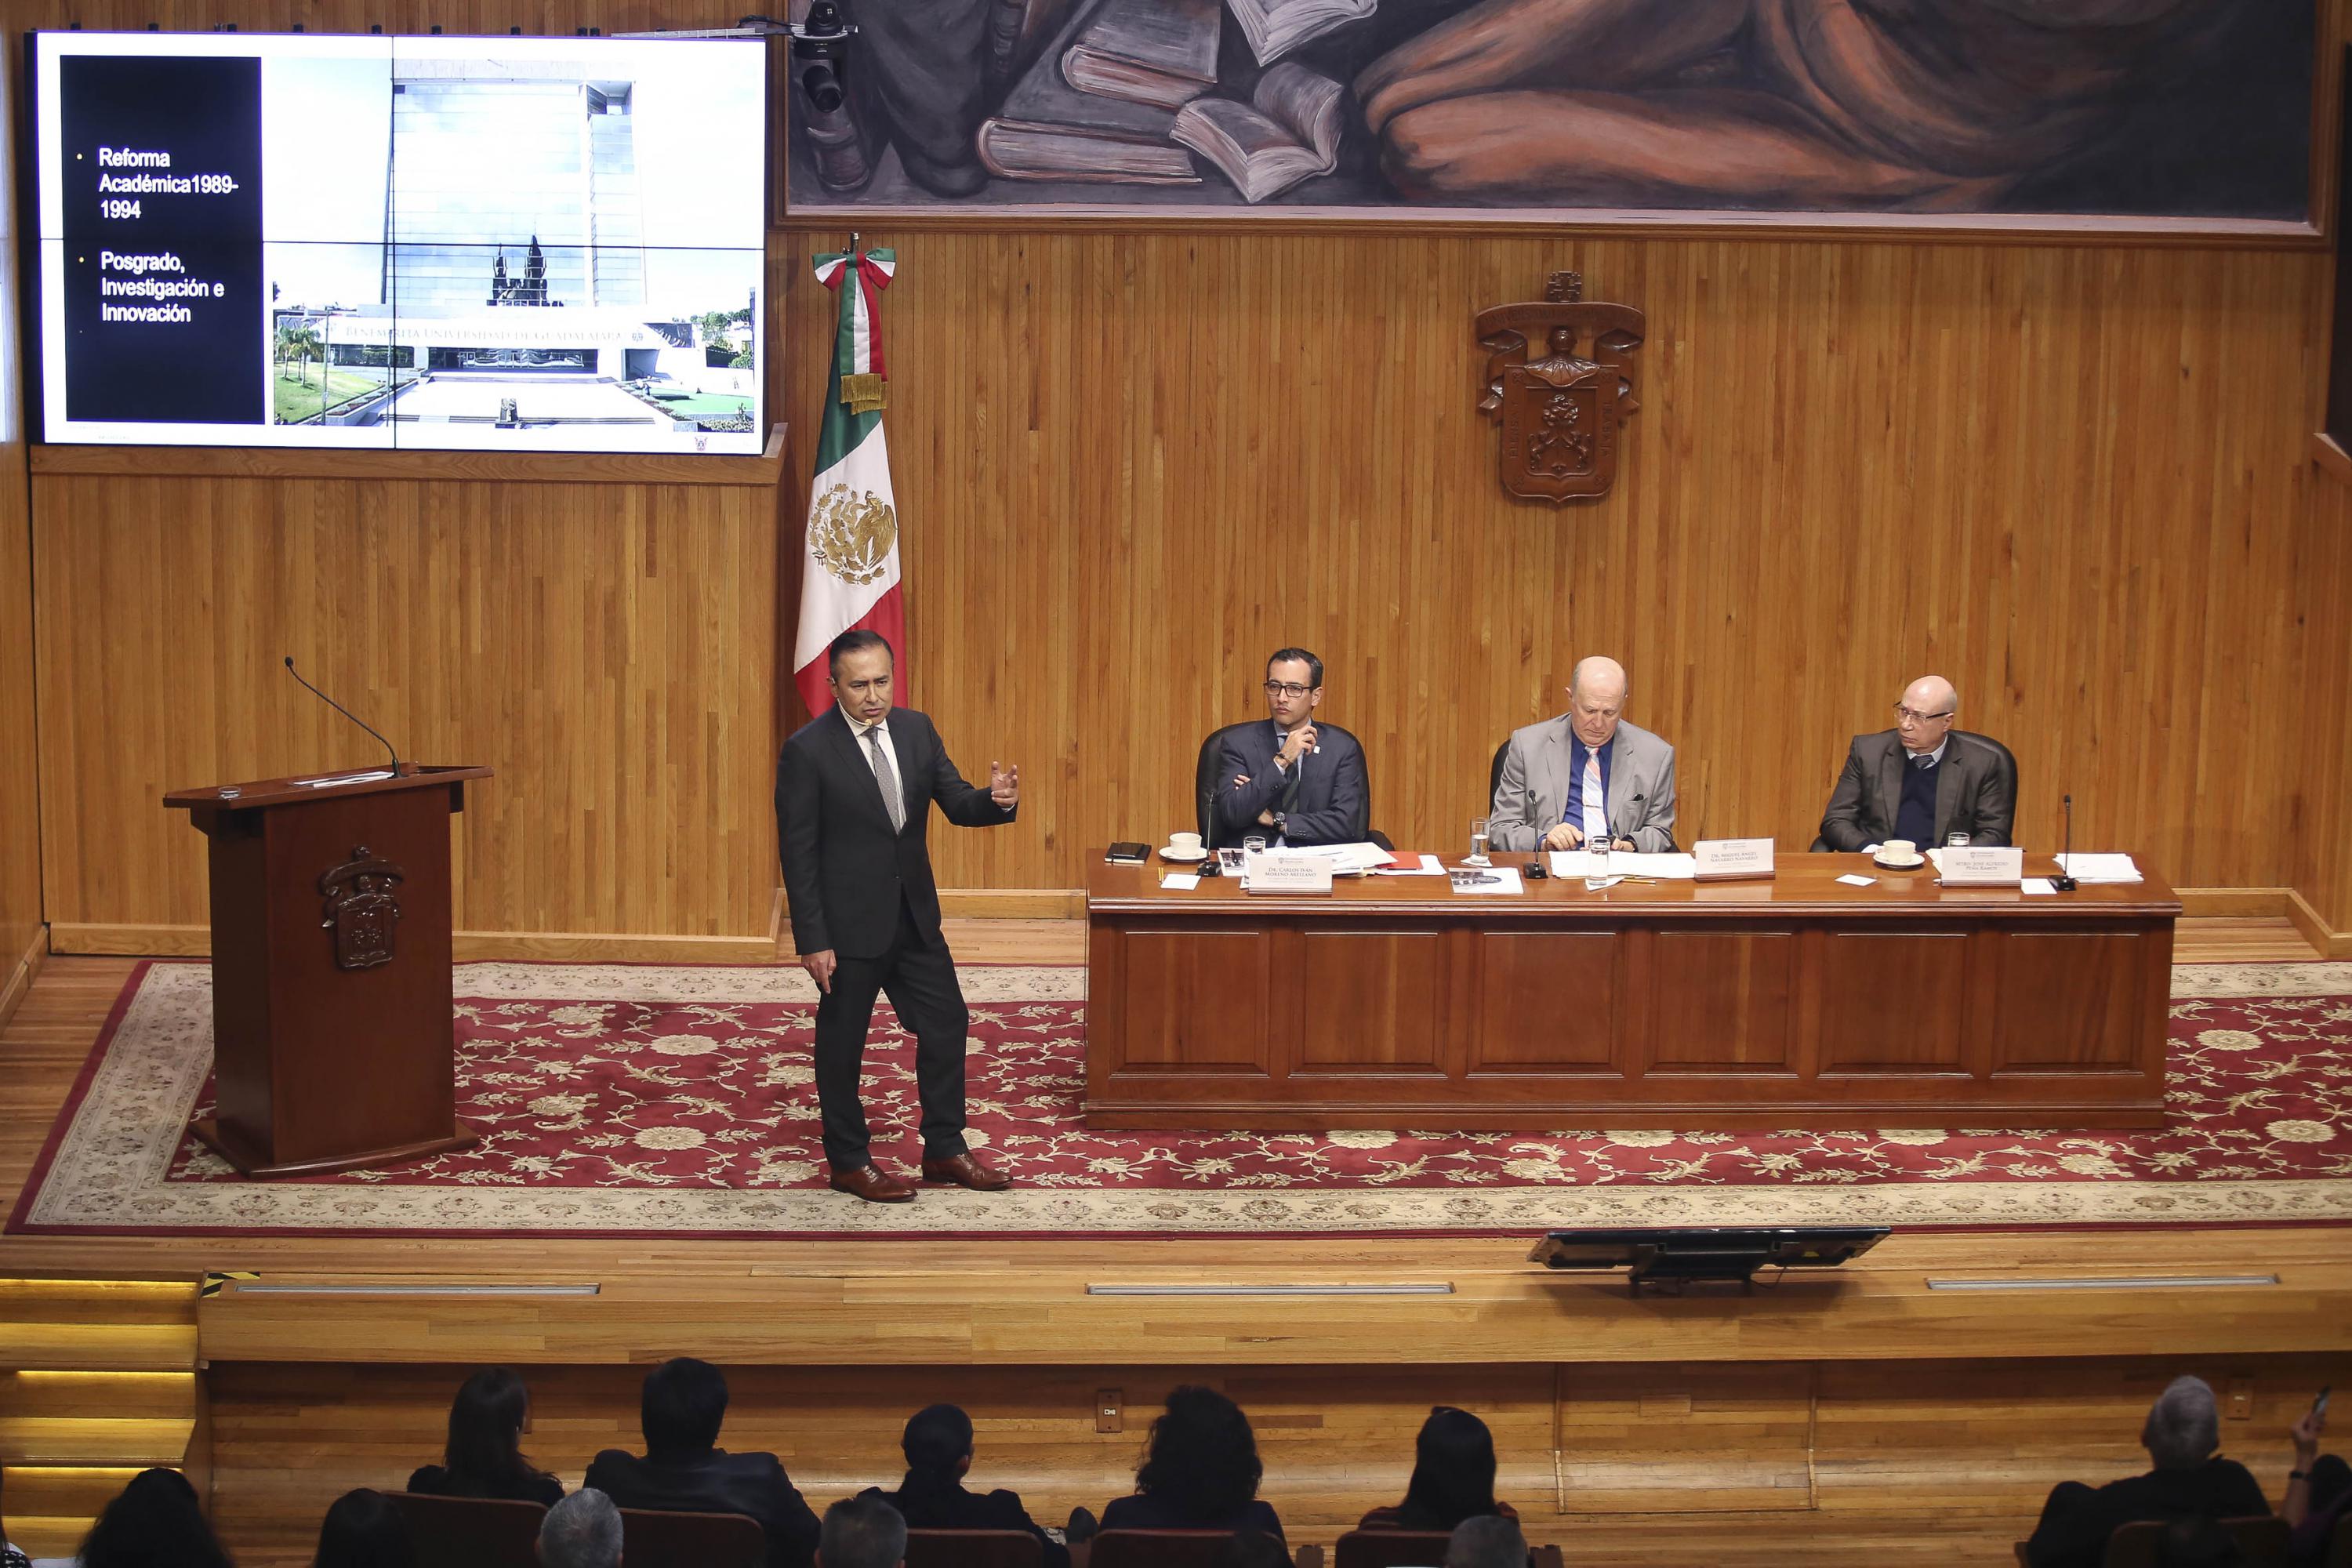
(2088, 868)
(1429, 866)
(1347, 860)
(1624, 863)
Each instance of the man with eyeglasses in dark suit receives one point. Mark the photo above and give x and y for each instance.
(1291, 780)
(1922, 781)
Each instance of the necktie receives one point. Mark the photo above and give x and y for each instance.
(894, 799)
(1298, 770)
(1596, 809)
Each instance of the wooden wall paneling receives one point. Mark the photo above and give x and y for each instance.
(2319, 826)
(1131, 464)
(21, 928)
(606, 647)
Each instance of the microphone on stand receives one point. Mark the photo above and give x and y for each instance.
(344, 711)
(2065, 881)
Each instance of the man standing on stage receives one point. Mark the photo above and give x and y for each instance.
(853, 793)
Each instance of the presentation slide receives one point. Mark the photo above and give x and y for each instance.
(489, 244)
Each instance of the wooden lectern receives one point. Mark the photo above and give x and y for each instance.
(333, 1045)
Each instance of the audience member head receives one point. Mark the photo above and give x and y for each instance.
(1252, 1549)
(362, 1529)
(1490, 1540)
(1597, 690)
(2197, 1543)
(1452, 1468)
(862, 1532)
(937, 1443)
(486, 1423)
(153, 1523)
(583, 1530)
(1202, 1455)
(685, 1401)
(2183, 1426)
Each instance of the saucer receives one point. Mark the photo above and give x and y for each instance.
(1183, 856)
(1912, 864)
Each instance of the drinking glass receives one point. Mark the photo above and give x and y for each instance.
(1254, 844)
(1957, 841)
(1599, 846)
(1479, 840)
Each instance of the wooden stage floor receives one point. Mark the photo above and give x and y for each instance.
(1845, 1419)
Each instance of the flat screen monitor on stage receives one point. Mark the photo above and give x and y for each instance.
(492, 244)
(1669, 1255)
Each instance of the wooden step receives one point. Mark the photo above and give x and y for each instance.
(98, 1347)
(110, 1302)
(39, 1537)
(118, 1396)
(111, 1441)
(74, 1493)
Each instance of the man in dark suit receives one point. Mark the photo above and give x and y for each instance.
(683, 1471)
(938, 1444)
(854, 793)
(1921, 781)
(1291, 779)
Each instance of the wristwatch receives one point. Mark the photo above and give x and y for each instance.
(1281, 824)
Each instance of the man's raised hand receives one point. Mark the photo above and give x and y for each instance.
(1004, 784)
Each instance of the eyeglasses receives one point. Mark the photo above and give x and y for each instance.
(1912, 715)
(1287, 689)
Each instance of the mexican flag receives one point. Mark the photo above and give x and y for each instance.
(849, 576)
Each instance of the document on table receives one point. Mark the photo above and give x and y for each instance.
(1181, 881)
(1429, 866)
(2088, 868)
(2037, 885)
(1502, 879)
(1347, 860)
(1624, 863)
(385, 774)
(1851, 881)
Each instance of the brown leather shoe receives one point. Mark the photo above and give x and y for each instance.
(964, 1171)
(871, 1185)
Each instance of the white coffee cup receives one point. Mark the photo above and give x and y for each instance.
(1184, 843)
(1898, 850)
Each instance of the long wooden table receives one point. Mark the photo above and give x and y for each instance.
(1801, 1001)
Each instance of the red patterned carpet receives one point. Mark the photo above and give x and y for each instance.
(651, 1100)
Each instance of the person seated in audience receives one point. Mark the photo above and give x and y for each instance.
(153, 1523)
(684, 1471)
(10, 1557)
(1488, 1540)
(2197, 1543)
(939, 1449)
(2318, 1493)
(863, 1531)
(582, 1531)
(1200, 1470)
(362, 1529)
(484, 1458)
(2182, 1431)
(1452, 1476)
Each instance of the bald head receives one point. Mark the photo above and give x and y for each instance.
(1924, 717)
(1596, 699)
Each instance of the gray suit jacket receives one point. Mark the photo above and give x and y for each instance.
(1533, 791)
(1975, 793)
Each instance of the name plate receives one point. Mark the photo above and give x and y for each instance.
(1981, 868)
(1279, 871)
(1732, 859)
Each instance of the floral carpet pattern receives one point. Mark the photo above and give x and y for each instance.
(644, 1100)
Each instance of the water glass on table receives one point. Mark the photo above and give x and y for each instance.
(1479, 840)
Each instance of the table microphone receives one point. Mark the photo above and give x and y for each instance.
(2065, 881)
(344, 711)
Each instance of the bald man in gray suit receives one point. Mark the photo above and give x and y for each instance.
(1586, 773)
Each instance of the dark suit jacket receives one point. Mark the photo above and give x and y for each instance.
(715, 1482)
(929, 1506)
(844, 871)
(1331, 788)
(1971, 793)
(2077, 1520)
(1145, 1512)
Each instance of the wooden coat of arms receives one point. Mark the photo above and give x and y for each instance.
(360, 908)
(1559, 413)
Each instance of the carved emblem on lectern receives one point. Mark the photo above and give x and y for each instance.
(1560, 413)
(360, 910)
